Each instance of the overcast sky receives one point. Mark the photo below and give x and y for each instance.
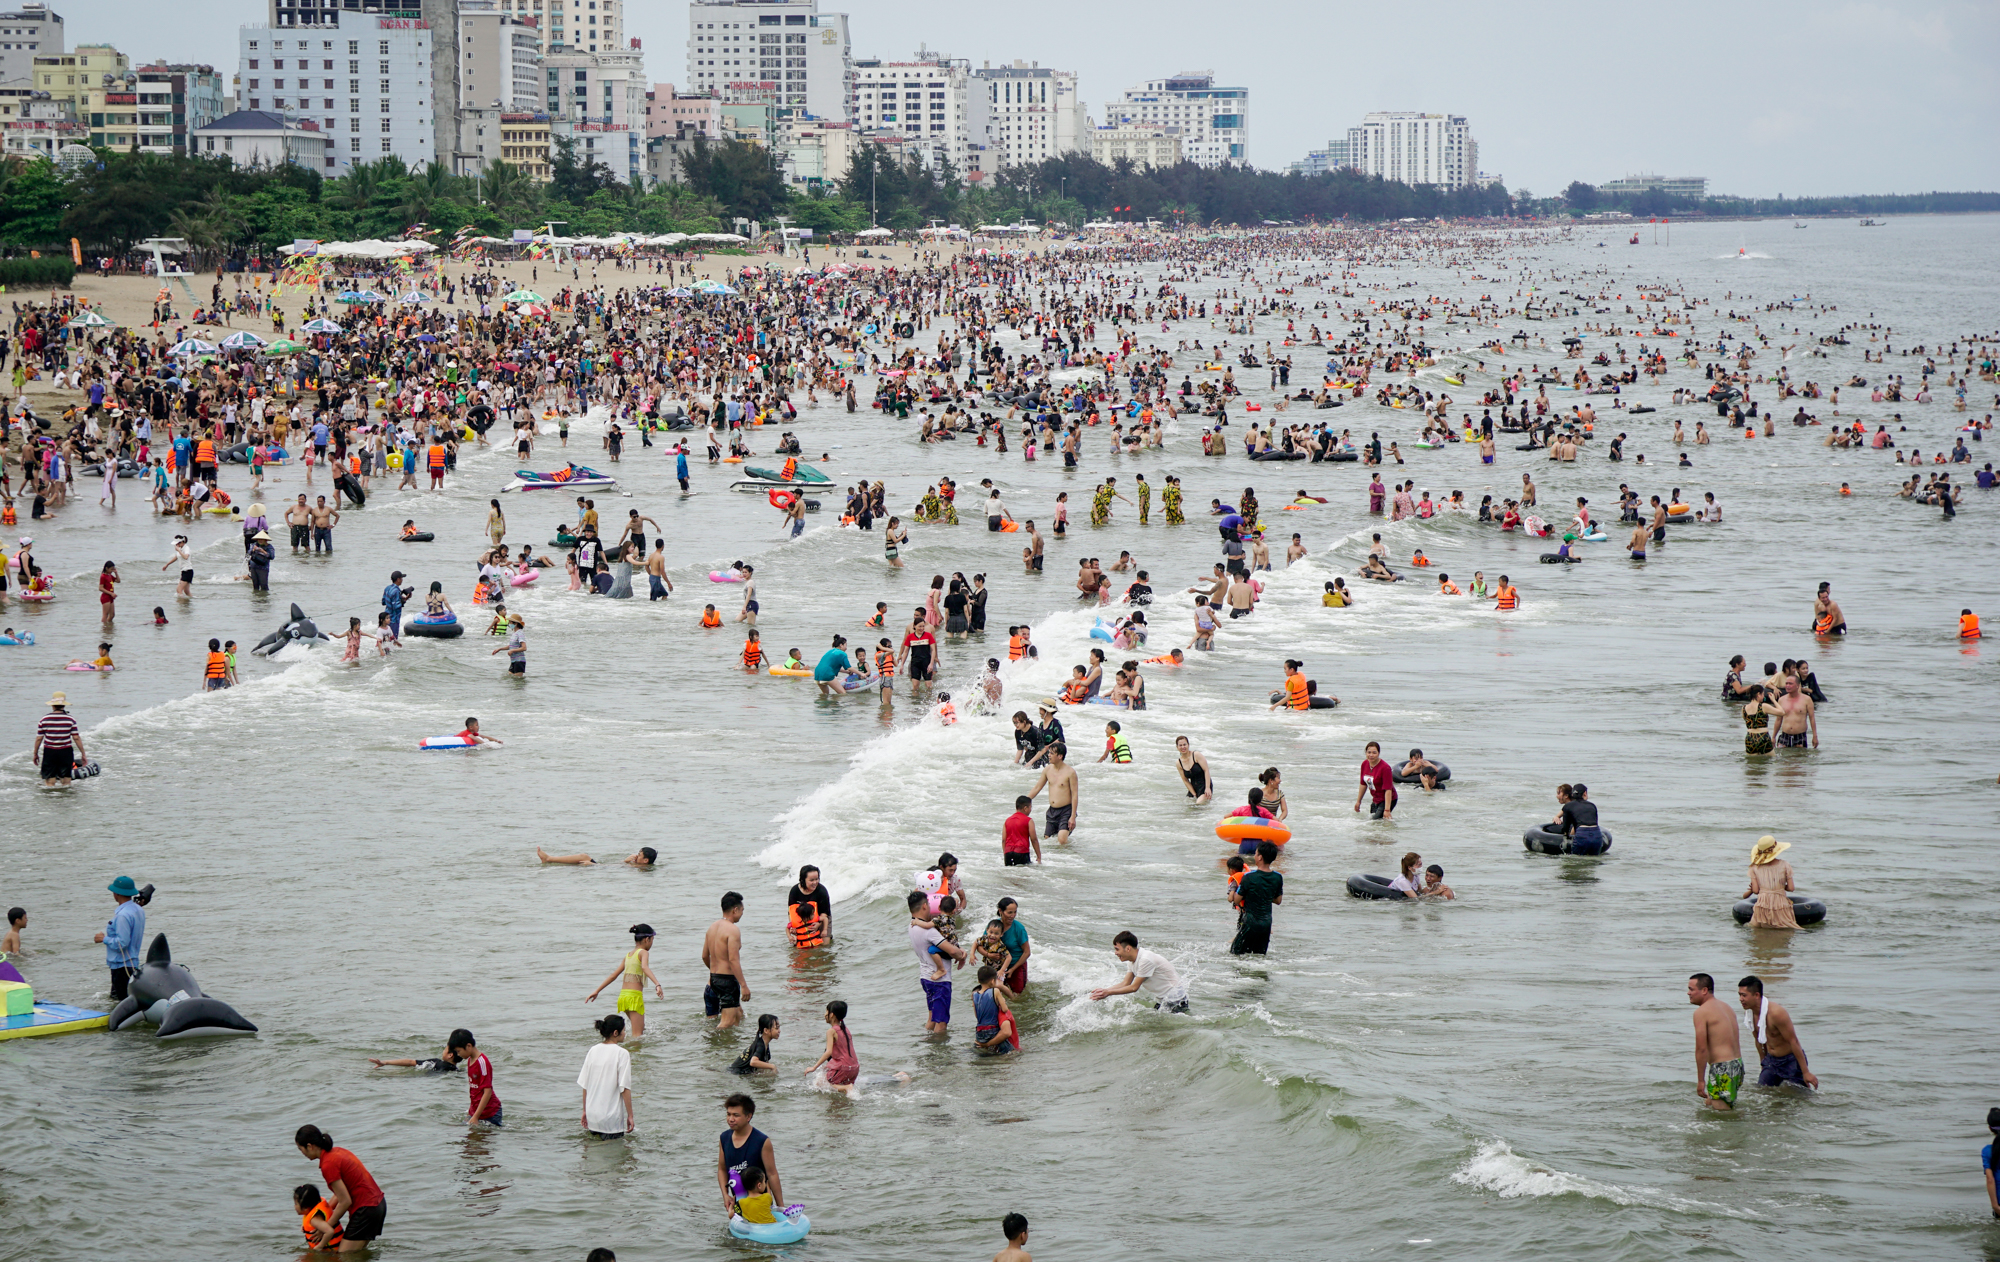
(1763, 97)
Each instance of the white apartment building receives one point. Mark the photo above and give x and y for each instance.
(1214, 122)
(364, 81)
(31, 31)
(1022, 114)
(1413, 148)
(1694, 186)
(1144, 144)
(784, 53)
(926, 100)
(597, 101)
(499, 59)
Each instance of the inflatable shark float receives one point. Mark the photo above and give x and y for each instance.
(165, 995)
(299, 629)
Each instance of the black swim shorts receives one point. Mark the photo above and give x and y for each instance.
(1056, 820)
(364, 1222)
(727, 993)
(1793, 740)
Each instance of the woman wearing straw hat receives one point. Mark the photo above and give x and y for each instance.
(1771, 882)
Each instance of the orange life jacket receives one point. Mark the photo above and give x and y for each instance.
(1823, 623)
(946, 714)
(1017, 648)
(218, 666)
(1968, 626)
(436, 456)
(806, 932)
(1508, 598)
(711, 619)
(753, 653)
(1448, 589)
(204, 452)
(885, 663)
(1074, 692)
(1420, 559)
(791, 467)
(322, 1213)
(1296, 696)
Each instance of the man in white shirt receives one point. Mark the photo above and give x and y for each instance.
(1147, 970)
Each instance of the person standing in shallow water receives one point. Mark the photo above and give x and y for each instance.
(1771, 883)
(1718, 1051)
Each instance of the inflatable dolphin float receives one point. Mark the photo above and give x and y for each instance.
(165, 994)
(299, 628)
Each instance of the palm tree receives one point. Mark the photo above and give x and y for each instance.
(505, 185)
(424, 190)
(359, 187)
(209, 224)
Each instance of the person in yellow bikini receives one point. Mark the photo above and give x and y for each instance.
(634, 969)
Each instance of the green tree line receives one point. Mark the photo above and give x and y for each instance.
(1582, 198)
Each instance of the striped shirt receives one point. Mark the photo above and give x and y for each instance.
(57, 730)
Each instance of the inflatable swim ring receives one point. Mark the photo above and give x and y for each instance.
(1317, 702)
(1240, 828)
(732, 460)
(435, 743)
(803, 672)
(1807, 909)
(24, 638)
(1443, 774)
(1598, 537)
(524, 578)
(1454, 381)
(83, 771)
(442, 627)
(563, 541)
(1679, 510)
(38, 596)
(85, 666)
(1556, 558)
(421, 536)
(1543, 839)
(854, 684)
(791, 1227)
(725, 576)
(1363, 885)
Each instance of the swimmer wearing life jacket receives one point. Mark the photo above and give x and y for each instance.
(409, 528)
(1446, 587)
(1505, 597)
(805, 926)
(1116, 747)
(753, 653)
(316, 1215)
(1175, 658)
(880, 620)
(710, 618)
(1294, 695)
(1968, 625)
(1420, 559)
(947, 713)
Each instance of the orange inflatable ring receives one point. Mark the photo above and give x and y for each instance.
(732, 460)
(779, 499)
(1679, 510)
(1240, 828)
(1009, 527)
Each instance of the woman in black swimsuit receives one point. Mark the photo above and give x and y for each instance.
(1194, 770)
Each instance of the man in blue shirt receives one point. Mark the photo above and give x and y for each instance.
(393, 597)
(183, 456)
(681, 466)
(121, 937)
(1986, 1161)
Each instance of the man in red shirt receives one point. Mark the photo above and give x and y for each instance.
(478, 1077)
(1378, 784)
(1017, 836)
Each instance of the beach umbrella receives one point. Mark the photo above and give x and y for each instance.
(425, 337)
(285, 346)
(319, 326)
(242, 340)
(524, 295)
(416, 296)
(531, 309)
(89, 320)
(193, 346)
(681, 292)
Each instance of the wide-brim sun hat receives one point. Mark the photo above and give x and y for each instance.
(1767, 849)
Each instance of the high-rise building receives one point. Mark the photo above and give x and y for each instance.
(28, 32)
(499, 59)
(596, 104)
(1214, 122)
(1141, 144)
(97, 82)
(784, 53)
(926, 100)
(1021, 114)
(1414, 148)
(366, 81)
(524, 142)
(173, 101)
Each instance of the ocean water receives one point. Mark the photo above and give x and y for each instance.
(1505, 1076)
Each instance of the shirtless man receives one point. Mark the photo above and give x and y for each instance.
(299, 518)
(1827, 618)
(656, 572)
(1241, 597)
(1035, 543)
(1064, 792)
(1295, 551)
(1797, 717)
(1718, 1055)
(635, 529)
(749, 611)
(324, 519)
(1212, 587)
(1779, 1054)
(722, 956)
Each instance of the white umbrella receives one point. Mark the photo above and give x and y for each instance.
(875, 232)
(193, 346)
(89, 320)
(242, 340)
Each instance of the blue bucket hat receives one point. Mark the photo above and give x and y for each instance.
(123, 887)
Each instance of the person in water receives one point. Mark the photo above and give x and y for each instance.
(631, 974)
(757, 1056)
(1781, 1057)
(1718, 1053)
